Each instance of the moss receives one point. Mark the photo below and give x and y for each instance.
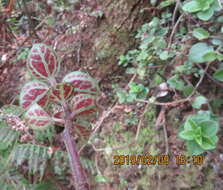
(111, 44)
(114, 36)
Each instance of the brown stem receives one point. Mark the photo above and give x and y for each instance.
(75, 164)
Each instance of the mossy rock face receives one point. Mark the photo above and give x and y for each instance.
(111, 43)
(115, 35)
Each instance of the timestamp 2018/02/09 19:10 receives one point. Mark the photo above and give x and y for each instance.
(162, 159)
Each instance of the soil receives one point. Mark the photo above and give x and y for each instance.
(94, 44)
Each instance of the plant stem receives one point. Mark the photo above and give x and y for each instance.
(75, 164)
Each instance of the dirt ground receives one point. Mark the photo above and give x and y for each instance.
(94, 45)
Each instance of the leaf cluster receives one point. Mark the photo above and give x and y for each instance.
(199, 131)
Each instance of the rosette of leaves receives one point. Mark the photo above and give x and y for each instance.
(199, 131)
(47, 102)
(77, 89)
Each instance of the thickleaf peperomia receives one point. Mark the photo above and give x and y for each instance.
(74, 96)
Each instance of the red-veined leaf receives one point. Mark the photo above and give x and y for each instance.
(82, 83)
(43, 62)
(58, 115)
(34, 92)
(37, 118)
(61, 91)
(83, 104)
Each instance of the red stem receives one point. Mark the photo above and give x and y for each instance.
(76, 166)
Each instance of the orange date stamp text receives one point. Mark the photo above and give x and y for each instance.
(162, 159)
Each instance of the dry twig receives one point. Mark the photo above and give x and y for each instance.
(175, 12)
(140, 122)
(174, 103)
(174, 30)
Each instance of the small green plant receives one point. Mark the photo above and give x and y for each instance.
(204, 9)
(135, 91)
(199, 131)
(151, 48)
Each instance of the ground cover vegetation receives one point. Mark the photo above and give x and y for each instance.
(146, 79)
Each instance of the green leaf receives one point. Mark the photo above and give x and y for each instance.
(199, 139)
(160, 43)
(176, 83)
(12, 109)
(123, 60)
(206, 15)
(23, 54)
(221, 29)
(50, 20)
(121, 96)
(188, 90)
(130, 70)
(193, 148)
(216, 5)
(45, 185)
(187, 134)
(143, 55)
(218, 75)
(219, 56)
(208, 143)
(190, 124)
(216, 42)
(203, 115)
(131, 97)
(154, 22)
(192, 6)
(205, 4)
(164, 55)
(209, 127)
(141, 71)
(200, 33)
(210, 56)
(167, 3)
(100, 179)
(200, 132)
(145, 43)
(199, 101)
(198, 50)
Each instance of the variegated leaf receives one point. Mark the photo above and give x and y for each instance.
(43, 62)
(34, 92)
(58, 115)
(83, 104)
(37, 118)
(61, 91)
(82, 83)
